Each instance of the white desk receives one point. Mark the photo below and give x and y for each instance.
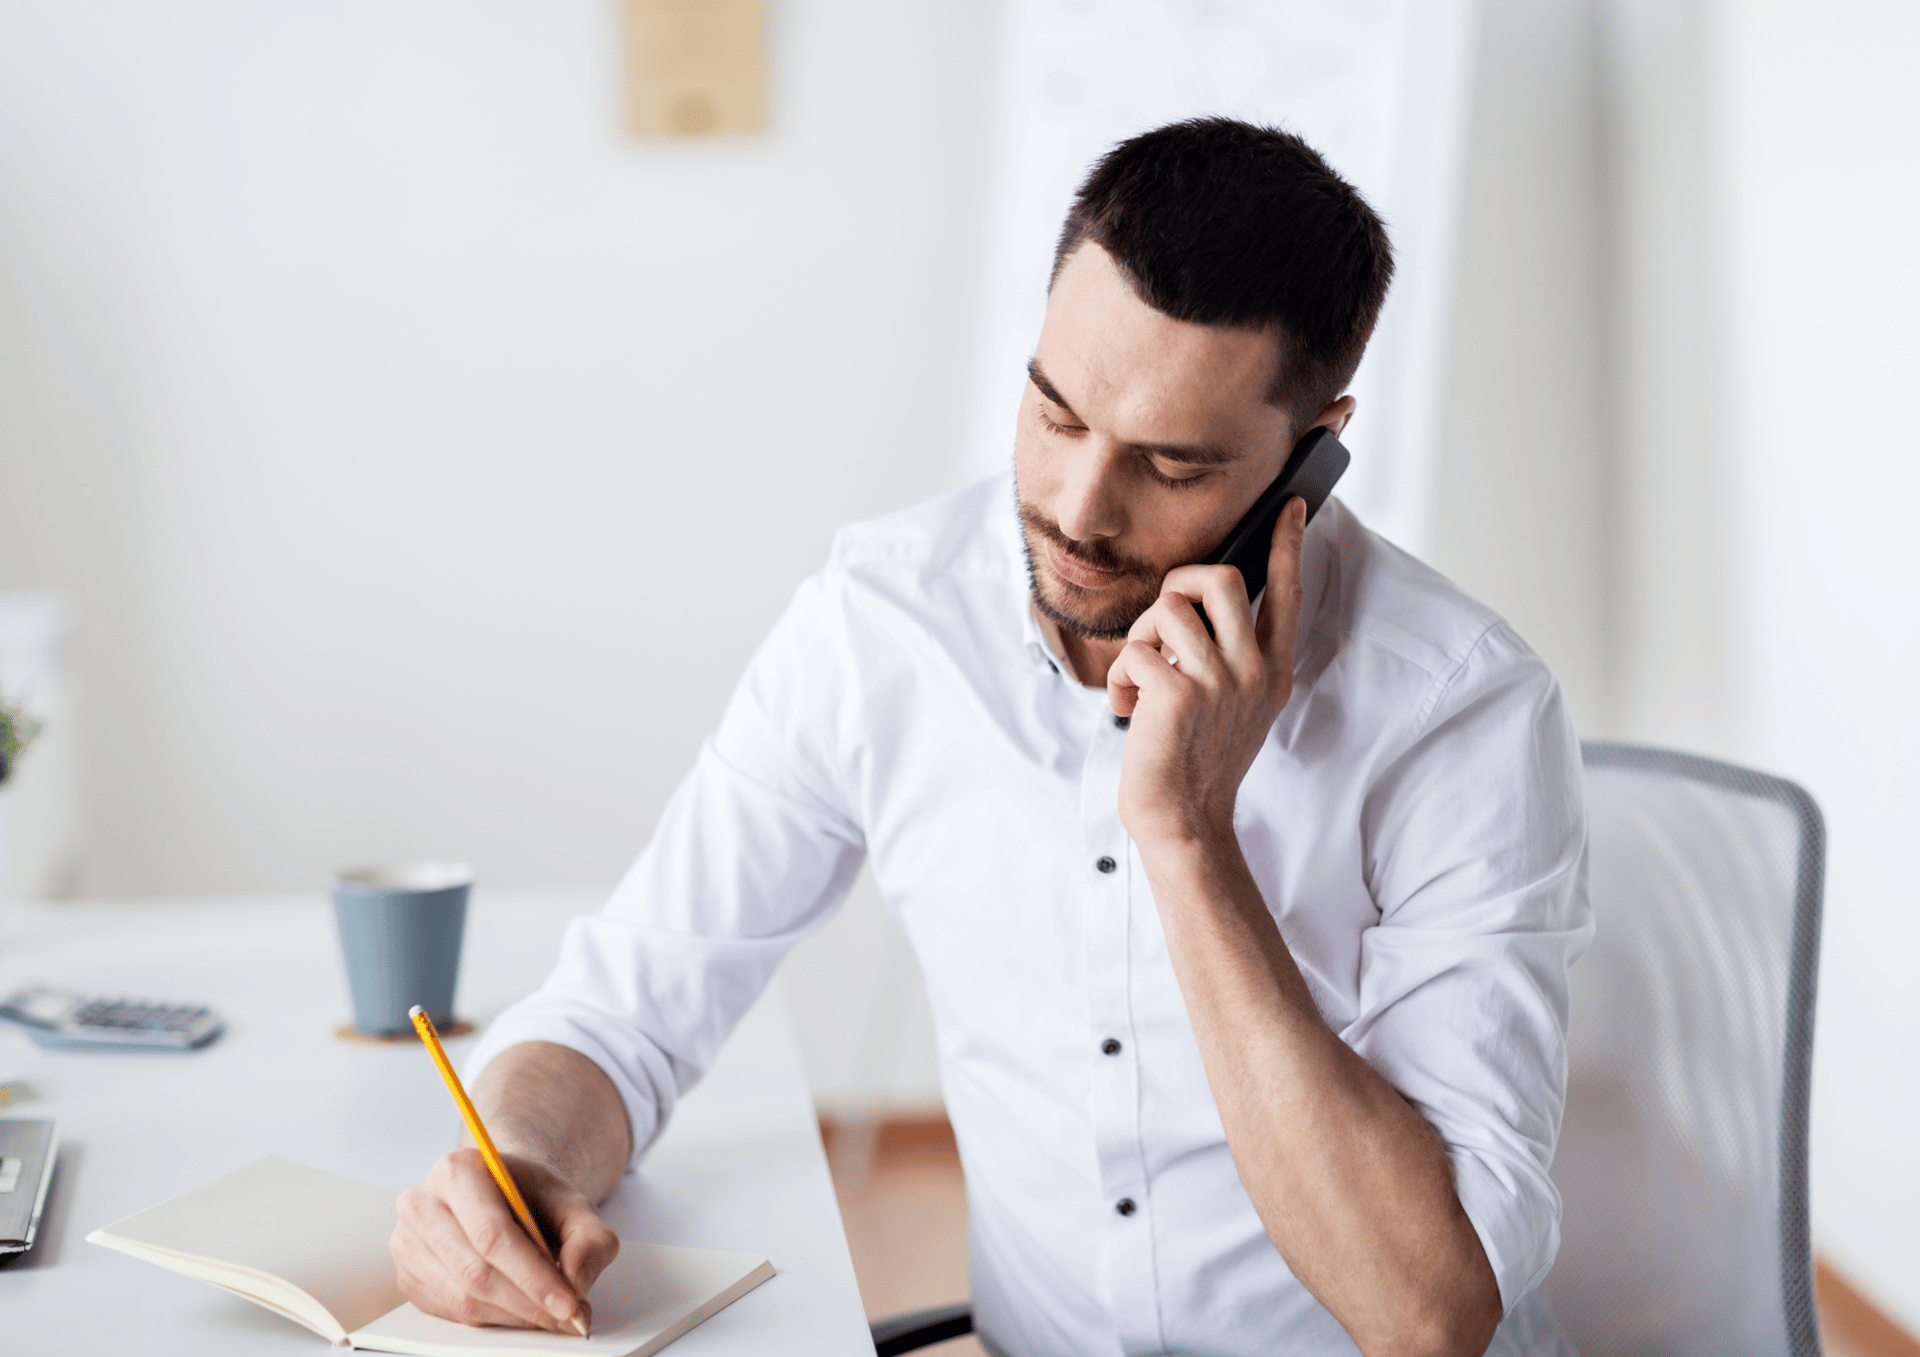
(740, 1167)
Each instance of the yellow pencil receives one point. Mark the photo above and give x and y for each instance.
(495, 1165)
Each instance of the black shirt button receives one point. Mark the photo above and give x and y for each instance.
(1051, 665)
(1110, 1047)
(1123, 721)
(1106, 864)
(1125, 1206)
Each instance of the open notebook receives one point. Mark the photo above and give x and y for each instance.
(313, 1247)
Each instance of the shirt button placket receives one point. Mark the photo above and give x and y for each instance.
(1115, 1082)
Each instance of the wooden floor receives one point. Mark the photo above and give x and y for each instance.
(905, 1205)
(1849, 1324)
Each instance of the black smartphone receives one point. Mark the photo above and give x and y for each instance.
(1317, 461)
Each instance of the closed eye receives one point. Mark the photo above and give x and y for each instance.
(1154, 473)
(1052, 427)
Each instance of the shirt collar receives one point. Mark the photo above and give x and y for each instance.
(1042, 651)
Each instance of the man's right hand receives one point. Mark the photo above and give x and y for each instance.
(460, 1252)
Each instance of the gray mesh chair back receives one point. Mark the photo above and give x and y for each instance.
(1683, 1157)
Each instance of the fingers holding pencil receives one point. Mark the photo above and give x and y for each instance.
(458, 1253)
(453, 1246)
(461, 1254)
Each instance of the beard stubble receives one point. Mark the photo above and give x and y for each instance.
(1077, 610)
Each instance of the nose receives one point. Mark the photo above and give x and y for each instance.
(1091, 504)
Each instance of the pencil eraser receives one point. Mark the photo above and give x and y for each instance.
(415, 1011)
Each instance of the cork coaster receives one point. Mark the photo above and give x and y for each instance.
(459, 1027)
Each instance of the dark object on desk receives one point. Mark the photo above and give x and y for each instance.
(1683, 1153)
(921, 1329)
(27, 1151)
(64, 1021)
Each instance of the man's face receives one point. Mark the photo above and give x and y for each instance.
(1141, 442)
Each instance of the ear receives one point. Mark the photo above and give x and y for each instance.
(1335, 416)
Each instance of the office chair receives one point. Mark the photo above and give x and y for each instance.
(1682, 1165)
(1683, 1157)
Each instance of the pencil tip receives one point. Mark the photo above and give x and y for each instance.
(580, 1326)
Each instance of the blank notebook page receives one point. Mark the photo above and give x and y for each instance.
(325, 1234)
(651, 1292)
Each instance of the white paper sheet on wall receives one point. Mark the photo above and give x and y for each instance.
(1380, 87)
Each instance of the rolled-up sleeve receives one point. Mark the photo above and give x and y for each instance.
(753, 852)
(1475, 839)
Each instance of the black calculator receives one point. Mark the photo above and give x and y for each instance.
(64, 1021)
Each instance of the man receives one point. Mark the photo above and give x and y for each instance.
(1247, 950)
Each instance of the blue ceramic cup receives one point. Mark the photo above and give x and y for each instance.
(400, 931)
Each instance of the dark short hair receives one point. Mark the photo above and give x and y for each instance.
(1224, 223)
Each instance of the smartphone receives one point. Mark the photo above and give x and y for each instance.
(1317, 461)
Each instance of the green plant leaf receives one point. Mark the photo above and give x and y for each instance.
(17, 730)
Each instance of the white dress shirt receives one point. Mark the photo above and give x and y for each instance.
(1415, 823)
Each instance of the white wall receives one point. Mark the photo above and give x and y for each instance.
(1818, 123)
(1666, 497)
(423, 456)
(1518, 514)
(1759, 195)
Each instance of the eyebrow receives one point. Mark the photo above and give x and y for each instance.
(1186, 454)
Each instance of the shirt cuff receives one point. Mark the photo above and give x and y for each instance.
(578, 1026)
(1519, 1227)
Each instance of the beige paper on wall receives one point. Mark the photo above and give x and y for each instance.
(696, 67)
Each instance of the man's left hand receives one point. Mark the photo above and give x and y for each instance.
(1201, 706)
